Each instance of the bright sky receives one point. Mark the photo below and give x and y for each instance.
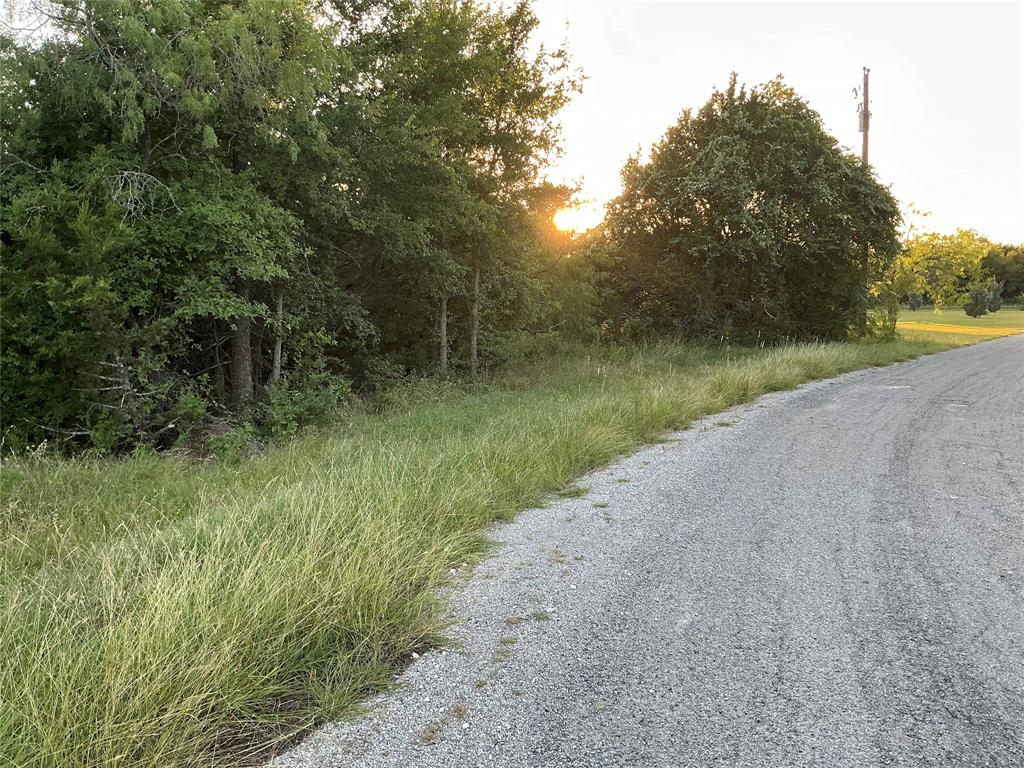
(947, 90)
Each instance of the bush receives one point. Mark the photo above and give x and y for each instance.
(995, 301)
(914, 301)
(749, 222)
(234, 445)
(289, 407)
(977, 302)
(984, 297)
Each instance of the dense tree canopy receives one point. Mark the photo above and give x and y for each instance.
(203, 201)
(748, 222)
(962, 269)
(944, 267)
(218, 215)
(1005, 264)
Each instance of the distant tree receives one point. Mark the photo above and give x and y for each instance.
(983, 296)
(914, 301)
(897, 283)
(749, 221)
(1005, 263)
(945, 267)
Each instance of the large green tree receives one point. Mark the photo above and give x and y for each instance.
(1005, 264)
(943, 267)
(204, 201)
(748, 222)
(144, 150)
(463, 81)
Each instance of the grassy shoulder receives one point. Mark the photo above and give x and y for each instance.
(165, 613)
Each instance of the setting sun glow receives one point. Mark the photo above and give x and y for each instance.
(578, 218)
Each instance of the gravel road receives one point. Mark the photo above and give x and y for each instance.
(829, 577)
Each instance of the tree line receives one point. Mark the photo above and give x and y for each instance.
(240, 212)
(948, 271)
(204, 201)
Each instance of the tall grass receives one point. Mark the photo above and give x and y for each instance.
(164, 613)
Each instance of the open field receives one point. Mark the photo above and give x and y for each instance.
(955, 322)
(159, 612)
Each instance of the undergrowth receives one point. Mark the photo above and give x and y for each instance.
(165, 612)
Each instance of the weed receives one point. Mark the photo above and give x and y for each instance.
(558, 557)
(430, 733)
(572, 492)
(155, 607)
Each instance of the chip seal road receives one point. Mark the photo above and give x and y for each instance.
(830, 576)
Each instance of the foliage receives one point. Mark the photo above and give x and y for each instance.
(287, 409)
(1005, 263)
(984, 296)
(233, 444)
(199, 197)
(748, 222)
(164, 613)
(945, 269)
(944, 266)
(914, 301)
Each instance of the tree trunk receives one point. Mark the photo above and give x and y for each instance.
(443, 361)
(474, 319)
(241, 355)
(275, 372)
(220, 387)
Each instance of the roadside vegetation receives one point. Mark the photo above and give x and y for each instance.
(286, 323)
(163, 612)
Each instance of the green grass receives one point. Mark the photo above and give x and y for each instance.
(159, 612)
(953, 325)
(1007, 317)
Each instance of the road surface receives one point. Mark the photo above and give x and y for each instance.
(827, 577)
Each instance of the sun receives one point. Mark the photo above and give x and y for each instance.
(578, 218)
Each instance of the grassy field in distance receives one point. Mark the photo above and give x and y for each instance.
(954, 322)
(163, 612)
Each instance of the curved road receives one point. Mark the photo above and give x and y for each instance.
(833, 580)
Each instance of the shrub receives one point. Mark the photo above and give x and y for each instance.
(984, 297)
(995, 299)
(914, 301)
(749, 222)
(233, 445)
(290, 406)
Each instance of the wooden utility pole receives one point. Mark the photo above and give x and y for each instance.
(865, 119)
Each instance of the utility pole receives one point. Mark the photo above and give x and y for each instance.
(865, 118)
(864, 108)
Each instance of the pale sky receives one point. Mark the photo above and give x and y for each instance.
(947, 89)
